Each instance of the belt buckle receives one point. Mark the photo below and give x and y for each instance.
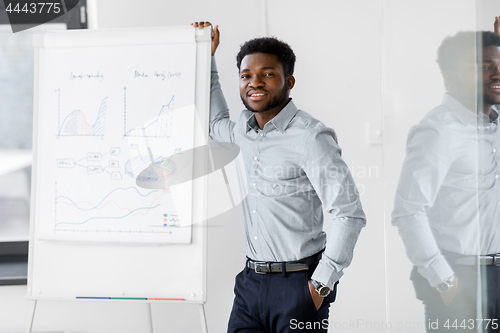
(259, 264)
(496, 259)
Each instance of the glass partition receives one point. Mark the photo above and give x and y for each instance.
(440, 162)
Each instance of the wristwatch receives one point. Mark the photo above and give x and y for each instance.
(446, 284)
(322, 290)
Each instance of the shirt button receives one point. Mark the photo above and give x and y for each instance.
(253, 184)
(496, 176)
(494, 150)
(256, 158)
(255, 238)
(261, 134)
(254, 211)
(487, 127)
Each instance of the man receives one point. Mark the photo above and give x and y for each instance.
(293, 166)
(447, 205)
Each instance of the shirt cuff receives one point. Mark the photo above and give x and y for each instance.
(214, 65)
(326, 274)
(437, 272)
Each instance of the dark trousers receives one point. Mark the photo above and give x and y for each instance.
(462, 314)
(277, 303)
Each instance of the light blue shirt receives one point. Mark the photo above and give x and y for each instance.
(293, 167)
(448, 195)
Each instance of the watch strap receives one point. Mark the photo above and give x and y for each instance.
(321, 289)
(444, 286)
(315, 284)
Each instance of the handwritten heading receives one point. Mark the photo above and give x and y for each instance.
(81, 76)
(162, 75)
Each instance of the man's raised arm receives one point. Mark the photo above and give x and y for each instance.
(221, 127)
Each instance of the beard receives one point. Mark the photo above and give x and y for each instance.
(273, 103)
(490, 99)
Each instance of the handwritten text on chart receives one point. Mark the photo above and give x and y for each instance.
(98, 76)
(157, 74)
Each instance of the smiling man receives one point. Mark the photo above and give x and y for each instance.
(447, 205)
(294, 169)
(266, 98)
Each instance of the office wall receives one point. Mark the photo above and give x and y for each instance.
(365, 68)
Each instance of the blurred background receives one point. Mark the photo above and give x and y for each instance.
(366, 68)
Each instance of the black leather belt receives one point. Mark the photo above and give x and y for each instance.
(263, 267)
(487, 260)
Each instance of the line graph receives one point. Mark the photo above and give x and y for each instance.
(121, 209)
(77, 124)
(145, 120)
(92, 206)
(108, 217)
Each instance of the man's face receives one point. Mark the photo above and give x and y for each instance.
(263, 85)
(485, 72)
(490, 68)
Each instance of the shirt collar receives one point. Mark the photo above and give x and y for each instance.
(494, 114)
(252, 122)
(465, 115)
(280, 121)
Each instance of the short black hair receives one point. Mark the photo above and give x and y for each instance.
(269, 45)
(453, 47)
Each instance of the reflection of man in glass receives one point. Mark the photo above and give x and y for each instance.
(447, 206)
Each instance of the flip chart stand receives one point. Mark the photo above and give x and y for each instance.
(192, 256)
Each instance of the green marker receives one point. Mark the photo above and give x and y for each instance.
(135, 298)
